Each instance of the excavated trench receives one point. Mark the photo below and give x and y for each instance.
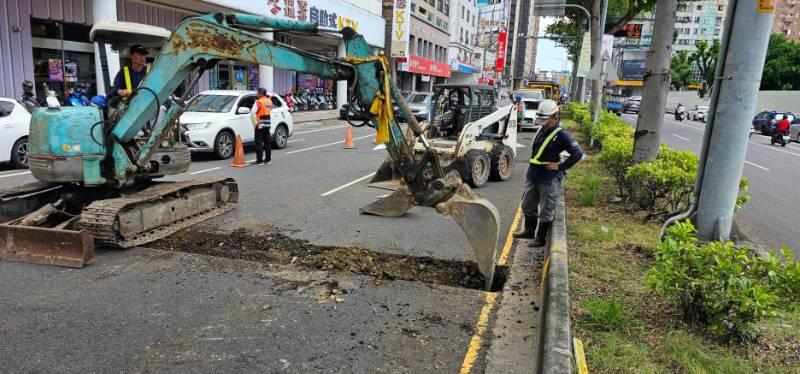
(277, 248)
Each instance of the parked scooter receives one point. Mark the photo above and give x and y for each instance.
(680, 113)
(77, 96)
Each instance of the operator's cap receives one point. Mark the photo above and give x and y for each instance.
(262, 91)
(138, 48)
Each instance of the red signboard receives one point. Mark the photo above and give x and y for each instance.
(501, 51)
(419, 65)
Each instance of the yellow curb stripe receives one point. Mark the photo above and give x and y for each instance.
(580, 356)
(510, 238)
(477, 341)
(544, 270)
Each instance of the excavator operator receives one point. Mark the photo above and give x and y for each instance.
(128, 79)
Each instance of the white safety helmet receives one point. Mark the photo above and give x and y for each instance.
(547, 108)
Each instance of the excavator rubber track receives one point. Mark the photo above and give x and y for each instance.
(111, 221)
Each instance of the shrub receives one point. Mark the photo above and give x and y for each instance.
(722, 286)
(668, 180)
(609, 125)
(607, 314)
(616, 157)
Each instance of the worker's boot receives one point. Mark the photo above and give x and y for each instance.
(529, 230)
(541, 235)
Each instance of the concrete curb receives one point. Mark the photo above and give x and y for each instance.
(554, 347)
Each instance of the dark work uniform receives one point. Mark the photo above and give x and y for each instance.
(136, 78)
(543, 187)
(263, 141)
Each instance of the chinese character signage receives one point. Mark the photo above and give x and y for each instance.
(424, 66)
(501, 51)
(401, 27)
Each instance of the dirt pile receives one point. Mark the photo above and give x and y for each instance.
(276, 247)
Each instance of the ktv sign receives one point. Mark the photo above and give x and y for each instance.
(401, 28)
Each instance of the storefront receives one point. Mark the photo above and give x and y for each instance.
(421, 73)
(463, 73)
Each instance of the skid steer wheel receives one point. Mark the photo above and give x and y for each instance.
(478, 167)
(502, 164)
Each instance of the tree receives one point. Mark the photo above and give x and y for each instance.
(782, 65)
(705, 58)
(680, 70)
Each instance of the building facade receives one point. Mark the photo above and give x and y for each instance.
(787, 19)
(426, 63)
(699, 20)
(463, 42)
(519, 34)
(47, 41)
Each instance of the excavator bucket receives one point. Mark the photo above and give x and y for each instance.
(386, 177)
(61, 247)
(480, 221)
(394, 205)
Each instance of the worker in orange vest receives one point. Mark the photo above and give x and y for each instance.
(261, 119)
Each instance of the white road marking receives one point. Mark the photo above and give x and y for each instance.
(756, 165)
(775, 149)
(11, 171)
(681, 138)
(15, 174)
(324, 129)
(348, 184)
(205, 170)
(325, 145)
(521, 145)
(295, 140)
(379, 146)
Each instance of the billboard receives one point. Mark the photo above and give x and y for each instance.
(633, 69)
(501, 51)
(401, 27)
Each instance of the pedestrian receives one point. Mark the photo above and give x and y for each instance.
(543, 184)
(128, 79)
(261, 119)
(520, 110)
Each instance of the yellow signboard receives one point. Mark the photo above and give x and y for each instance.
(766, 6)
(693, 85)
(629, 83)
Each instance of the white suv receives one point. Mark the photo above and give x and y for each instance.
(14, 124)
(214, 118)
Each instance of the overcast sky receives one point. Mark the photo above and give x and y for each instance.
(549, 56)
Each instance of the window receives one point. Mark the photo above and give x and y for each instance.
(248, 101)
(414, 8)
(699, 7)
(462, 12)
(6, 108)
(440, 6)
(446, 6)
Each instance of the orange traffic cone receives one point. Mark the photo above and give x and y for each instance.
(348, 140)
(238, 154)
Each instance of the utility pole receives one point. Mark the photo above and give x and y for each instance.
(742, 52)
(387, 10)
(656, 84)
(599, 9)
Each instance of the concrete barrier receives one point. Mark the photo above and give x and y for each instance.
(554, 347)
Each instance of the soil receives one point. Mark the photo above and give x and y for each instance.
(278, 248)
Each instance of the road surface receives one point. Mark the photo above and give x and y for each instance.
(771, 218)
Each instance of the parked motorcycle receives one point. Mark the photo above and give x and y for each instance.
(77, 96)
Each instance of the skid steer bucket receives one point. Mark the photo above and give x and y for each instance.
(479, 220)
(394, 205)
(46, 246)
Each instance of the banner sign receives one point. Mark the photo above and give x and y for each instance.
(419, 65)
(401, 28)
(585, 58)
(500, 63)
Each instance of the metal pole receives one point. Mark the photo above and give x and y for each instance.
(579, 82)
(738, 85)
(599, 99)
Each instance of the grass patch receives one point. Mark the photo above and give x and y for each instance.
(626, 328)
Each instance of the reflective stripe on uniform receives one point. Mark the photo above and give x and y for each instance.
(535, 159)
(127, 72)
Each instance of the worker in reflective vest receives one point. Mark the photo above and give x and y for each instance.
(129, 77)
(261, 117)
(543, 184)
